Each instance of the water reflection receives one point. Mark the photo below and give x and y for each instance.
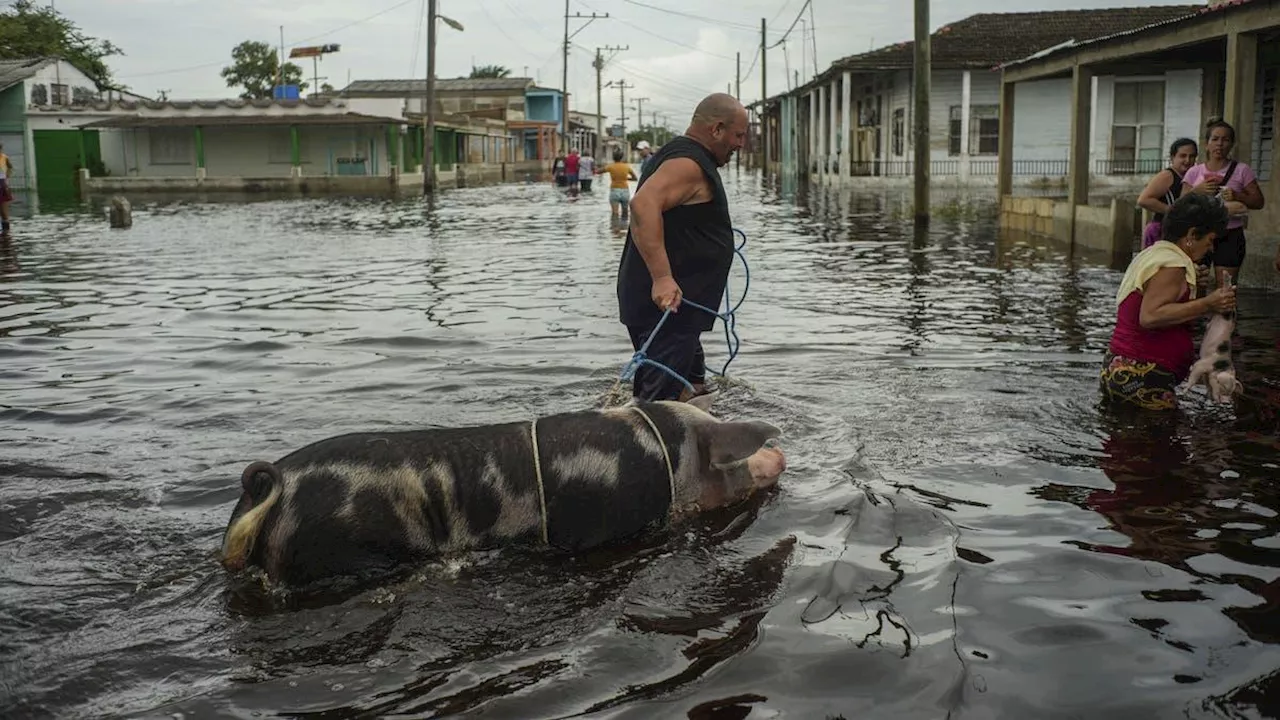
(960, 531)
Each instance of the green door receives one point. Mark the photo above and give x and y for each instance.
(57, 155)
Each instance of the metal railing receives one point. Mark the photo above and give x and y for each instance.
(988, 167)
(951, 168)
(1129, 167)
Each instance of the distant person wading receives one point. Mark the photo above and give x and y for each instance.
(680, 243)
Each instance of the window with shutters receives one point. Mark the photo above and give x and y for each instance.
(1137, 127)
(953, 131)
(899, 130)
(1265, 120)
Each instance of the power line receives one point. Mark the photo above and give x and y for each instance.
(781, 10)
(498, 26)
(662, 37)
(793, 25)
(417, 38)
(361, 21)
(713, 21)
(665, 83)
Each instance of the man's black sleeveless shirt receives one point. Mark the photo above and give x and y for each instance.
(699, 243)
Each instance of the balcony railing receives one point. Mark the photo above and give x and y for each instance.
(949, 168)
(990, 167)
(1129, 167)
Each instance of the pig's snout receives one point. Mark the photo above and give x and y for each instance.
(765, 466)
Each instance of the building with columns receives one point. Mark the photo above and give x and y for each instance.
(852, 123)
(1230, 50)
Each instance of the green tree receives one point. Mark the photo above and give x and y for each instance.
(28, 31)
(490, 71)
(254, 65)
(655, 136)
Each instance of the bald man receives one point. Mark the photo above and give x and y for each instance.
(680, 244)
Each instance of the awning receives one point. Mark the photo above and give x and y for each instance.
(152, 121)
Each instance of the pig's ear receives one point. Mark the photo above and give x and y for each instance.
(732, 442)
(704, 401)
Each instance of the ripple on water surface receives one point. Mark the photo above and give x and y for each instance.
(959, 532)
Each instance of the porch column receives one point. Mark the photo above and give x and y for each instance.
(393, 150)
(966, 95)
(1004, 155)
(846, 124)
(833, 126)
(1242, 71)
(200, 171)
(295, 152)
(813, 130)
(822, 135)
(1078, 164)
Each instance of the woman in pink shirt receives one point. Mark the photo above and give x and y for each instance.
(1151, 348)
(1233, 181)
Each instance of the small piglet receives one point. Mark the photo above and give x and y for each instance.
(1214, 368)
(371, 501)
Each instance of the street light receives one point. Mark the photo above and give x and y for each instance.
(429, 132)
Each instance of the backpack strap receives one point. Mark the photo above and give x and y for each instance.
(1230, 170)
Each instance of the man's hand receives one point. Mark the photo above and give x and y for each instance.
(666, 293)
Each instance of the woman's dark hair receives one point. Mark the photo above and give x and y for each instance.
(1181, 143)
(1194, 212)
(1219, 123)
(617, 154)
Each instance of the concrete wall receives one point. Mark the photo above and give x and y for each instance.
(235, 152)
(1111, 229)
(382, 107)
(64, 73)
(399, 184)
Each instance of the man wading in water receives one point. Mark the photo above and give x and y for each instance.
(680, 244)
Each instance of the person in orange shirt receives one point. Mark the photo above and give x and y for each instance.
(619, 189)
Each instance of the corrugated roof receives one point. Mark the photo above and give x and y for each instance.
(412, 88)
(1195, 11)
(15, 71)
(986, 40)
(144, 121)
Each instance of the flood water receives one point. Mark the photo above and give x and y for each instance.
(960, 532)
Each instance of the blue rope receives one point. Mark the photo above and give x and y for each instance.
(728, 318)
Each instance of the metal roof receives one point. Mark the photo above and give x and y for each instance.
(152, 121)
(1075, 45)
(13, 72)
(985, 40)
(412, 88)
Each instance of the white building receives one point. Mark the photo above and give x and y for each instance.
(1135, 116)
(42, 101)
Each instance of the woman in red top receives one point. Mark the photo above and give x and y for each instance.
(1151, 347)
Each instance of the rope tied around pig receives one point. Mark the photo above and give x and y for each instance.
(537, 466)
(728, 318)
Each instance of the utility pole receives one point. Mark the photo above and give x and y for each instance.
(599, 66)
(764, 94)
(429, 131)
(279, 65)
(640, 113)
(921, 72)
(564, 77)
(737, 79)
(622, 106)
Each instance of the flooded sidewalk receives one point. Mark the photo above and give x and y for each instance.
(959, 533)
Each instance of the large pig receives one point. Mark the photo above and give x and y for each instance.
(371, 501)
(1214, 368)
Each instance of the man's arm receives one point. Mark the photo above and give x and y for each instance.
(675, 182)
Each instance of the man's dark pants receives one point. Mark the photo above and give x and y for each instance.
(678, 348)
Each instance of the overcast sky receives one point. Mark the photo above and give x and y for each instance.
(677, 53)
